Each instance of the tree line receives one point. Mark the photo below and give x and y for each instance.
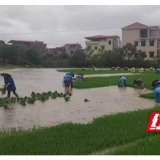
(127, 56)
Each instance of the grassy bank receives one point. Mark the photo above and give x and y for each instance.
(93, 82)
(7, 67)
(145, 146)
(100, 71)
(90, 71)
(79, 139)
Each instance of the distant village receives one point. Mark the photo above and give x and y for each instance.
(145, 38)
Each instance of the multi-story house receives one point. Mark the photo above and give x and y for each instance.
(102, 42)
(145, 38)
(29, 44)
(71, 48)
(54, 52)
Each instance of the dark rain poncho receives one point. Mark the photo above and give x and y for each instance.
(11, 86)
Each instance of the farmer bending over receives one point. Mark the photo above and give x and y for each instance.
(138, 83)
(156, 85)
(122, 81)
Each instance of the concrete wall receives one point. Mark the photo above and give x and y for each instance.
(129, 36)
(99, 44)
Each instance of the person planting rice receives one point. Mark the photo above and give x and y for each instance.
(66, 76)
(138, 83)
(79, 77)
(70, 74)
(157, 70)
(68, 84)
(156, 85)
(122, 81)
(93, 67)
(9, 84)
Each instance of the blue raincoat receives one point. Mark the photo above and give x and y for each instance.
(69, 74)
(66, 76)
(68, 81)
(122, 82)
(157, 94)
(9, 80)
(156, 83)
(157, 70)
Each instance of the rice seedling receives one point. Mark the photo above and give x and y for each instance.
(81, 139)
(22, 102)
(67, 99)
(35, 96)
(5, 106)
(30, 100)
(86, 100)
(3, 90)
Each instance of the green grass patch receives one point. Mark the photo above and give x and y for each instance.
(93, 82)
(101, 71)
(90, 71)
(148, 95)
(7, 67)
(146, 146)
(79, 139)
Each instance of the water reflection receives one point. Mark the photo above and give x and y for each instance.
(9, 114)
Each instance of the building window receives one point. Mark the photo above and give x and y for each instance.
(136, 43)
(102, 47)
(95, 48)
(151, 54)
(143, 33)
(151, 43)
(89, 47)
(109, 42)
(143, 43)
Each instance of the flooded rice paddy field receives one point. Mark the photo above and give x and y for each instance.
(102, 101)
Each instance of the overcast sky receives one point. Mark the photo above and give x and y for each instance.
(57, 25)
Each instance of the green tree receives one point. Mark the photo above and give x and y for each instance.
(129, 51)
(5, 52)
(140, 55)
(13, 53)
(33, 56)
(77, 59)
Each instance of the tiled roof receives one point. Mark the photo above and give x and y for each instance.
(101, 37)
(136, 25)
(154, 27)
(72, 44)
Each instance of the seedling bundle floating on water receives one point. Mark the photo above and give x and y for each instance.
(34, 96)
(3, 90)
(86, 100)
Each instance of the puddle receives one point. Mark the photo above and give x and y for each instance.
(102, 101)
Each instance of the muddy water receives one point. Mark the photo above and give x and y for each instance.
(106, 100)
